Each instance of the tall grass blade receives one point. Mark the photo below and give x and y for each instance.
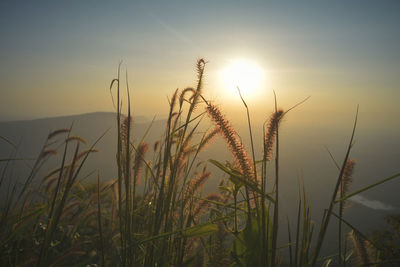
(368, 187)
(324, 226)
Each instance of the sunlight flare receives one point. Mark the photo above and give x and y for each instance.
(246, 75)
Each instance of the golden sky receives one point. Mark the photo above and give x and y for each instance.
(59, 58)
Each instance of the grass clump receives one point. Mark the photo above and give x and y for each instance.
(154, 213)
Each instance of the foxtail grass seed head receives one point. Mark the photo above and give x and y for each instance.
(84, 153)
(270, 134)
(126, 126)
(232, 138)
(200, 65)
(189, 150)
(346, 181)
(58, 132)
(348, 170)
(76, 138)
(139, 157)
(183, 94)
(196, 183)
(48, 152)
(208, 138)
(362, 248)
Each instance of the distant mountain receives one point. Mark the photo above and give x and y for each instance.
(30, 135)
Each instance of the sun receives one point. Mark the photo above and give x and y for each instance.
(244, 74)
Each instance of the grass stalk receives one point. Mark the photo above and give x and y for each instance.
(325, 223)
(276, 204)
(99, 221)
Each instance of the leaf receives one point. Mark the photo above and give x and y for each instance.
(236, 181)
(200, 230)
(247, 246)
(222, 167)
(369, 187)
(251, 185)
(236, 178)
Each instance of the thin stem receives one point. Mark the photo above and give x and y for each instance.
(276, 205)
(324, 226)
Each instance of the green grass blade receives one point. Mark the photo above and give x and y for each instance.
(369, 187)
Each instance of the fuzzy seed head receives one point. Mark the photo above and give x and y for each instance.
(232, 138)
(57, 132)
(362, 248)
(270, 133)
(346, 181)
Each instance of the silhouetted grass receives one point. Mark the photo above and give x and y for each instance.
(56, 220)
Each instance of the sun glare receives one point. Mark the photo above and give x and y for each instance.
(243, 74)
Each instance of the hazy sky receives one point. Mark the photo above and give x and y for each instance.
(58, 58)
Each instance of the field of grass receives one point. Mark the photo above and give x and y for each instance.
(58, 220)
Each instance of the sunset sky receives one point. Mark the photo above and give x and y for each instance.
(58, 58)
